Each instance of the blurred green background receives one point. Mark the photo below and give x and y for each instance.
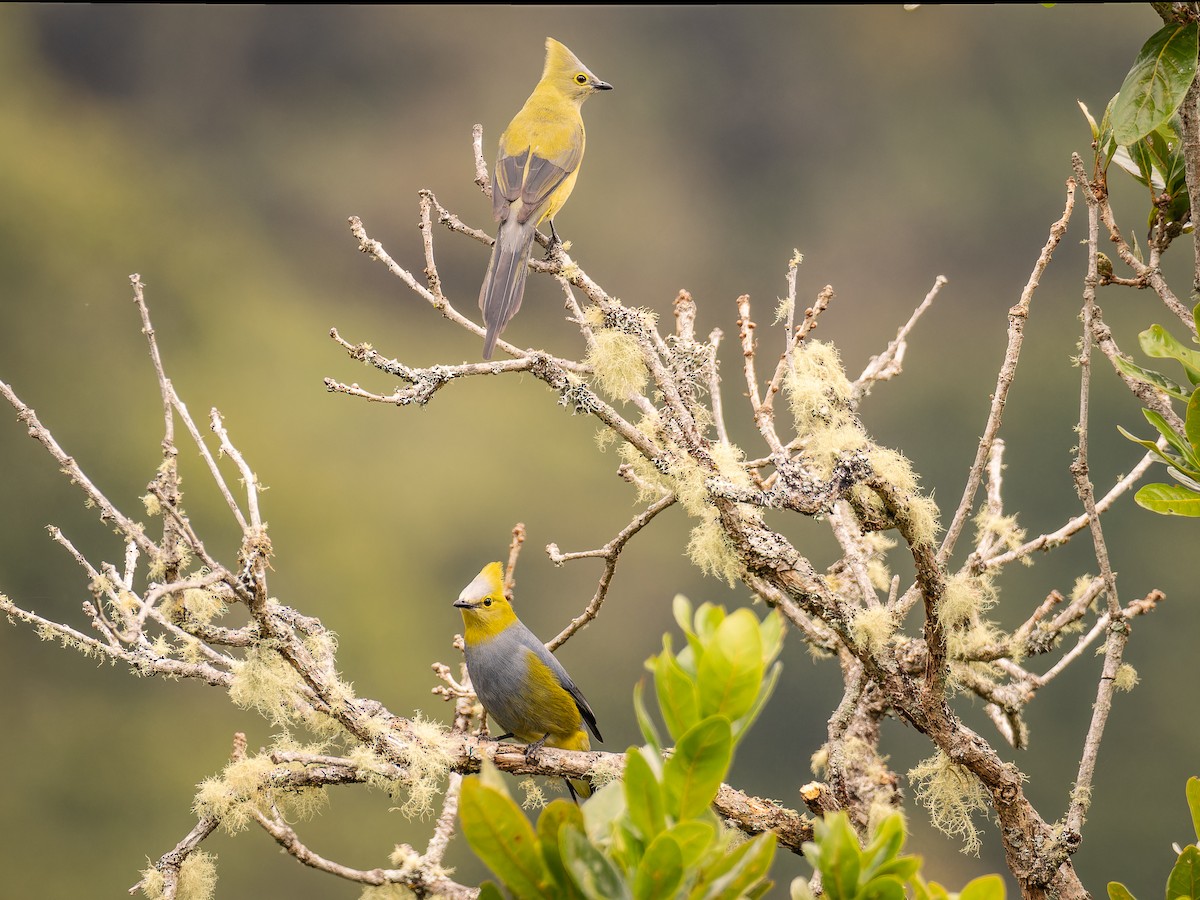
(218, 152)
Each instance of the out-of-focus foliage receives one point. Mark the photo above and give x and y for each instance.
(652, 834)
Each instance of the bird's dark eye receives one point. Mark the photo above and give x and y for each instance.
(581, 79)
(487, 601)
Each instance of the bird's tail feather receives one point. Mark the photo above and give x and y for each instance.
(504, 284)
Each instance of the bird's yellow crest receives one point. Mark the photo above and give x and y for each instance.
(485, 610)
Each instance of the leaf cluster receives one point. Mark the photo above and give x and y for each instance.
(1140, 128)
(878, 871)
(1182, 453)
(653, 834)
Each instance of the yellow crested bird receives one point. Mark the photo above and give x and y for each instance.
(519, 682)
(540, 153)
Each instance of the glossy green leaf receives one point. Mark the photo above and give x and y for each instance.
(645, 723)
(660, 873)
(502, 837)
(884, 847)
(558, 814)
(1169, 499)
(1157, 342)
(730, 673)
(835, 854)
(1118, 891)
(930, 891)
(709, 617)
(986, 887)
(676, 693)
(1153, 447)
(1193, 799)
(681, 609)
(1177, 441)
(770, 631)
(1155, 86)
(1191, 423)
(735, 872)
(489, 891)
(643, 795)
(884, 887)
(1184, 880)
(694, 837)
(1149, 376)
(596, 877)
(604, 811)
(695, 771)
(742, 725)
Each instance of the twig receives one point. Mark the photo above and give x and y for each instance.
(1017, 317)
(610, 552)
(888, 363)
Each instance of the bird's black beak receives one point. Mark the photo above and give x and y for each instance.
(465, 604)
(601, 85)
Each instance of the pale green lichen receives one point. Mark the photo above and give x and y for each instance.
(872, 628)
(1004, 530)
(535, 797)
(606, 771)
(964, 599)
(952, 795)
(264, 681)
(710, 549)
(1126, 678)
(386, 892)
(616, 360)
(423, 763)
(817, 387)
(197, 879)
(233, 796)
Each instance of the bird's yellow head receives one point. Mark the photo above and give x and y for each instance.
(565, 72)
(485, 610)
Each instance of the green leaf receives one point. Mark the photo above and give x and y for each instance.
(770, 631)
(1191, 423)
(660, 872)
(489, 891)
(930, 891)
(604, 811)
(695, 771)
(884, 887)
(1184, 880)
(643, 796)
(681, 609)
(1155, 86)
(645, 723)
(502, 837)
(742, 725)
(1118, 891)
(735, 872)
(593, 873)
(884, 846)
(836, 856)
(1157, 342)
(986, 887)
(708, 618)
(1177, 441)
(1193, 798)
(731, 670)
(1169, 499)
(694, 837)
(1152, 446)
(558, 814)
(1149, 376)
(676, 692)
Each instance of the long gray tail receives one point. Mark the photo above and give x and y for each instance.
(504, 284)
